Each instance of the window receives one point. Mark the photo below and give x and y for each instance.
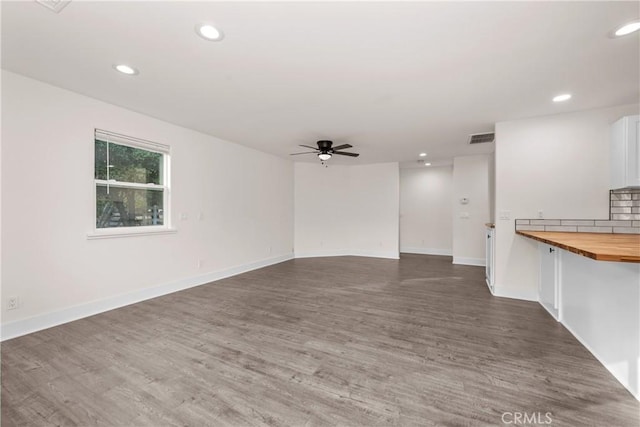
(131, 182)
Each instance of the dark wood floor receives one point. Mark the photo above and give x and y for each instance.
(329, 341)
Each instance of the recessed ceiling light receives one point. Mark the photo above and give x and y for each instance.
(423, 154)
(427, 164)
(125, 69)
(563, 97)
(628, 28)
(209, 32)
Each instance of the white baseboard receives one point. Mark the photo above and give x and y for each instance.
(32, 324)
(549, 310)
(480, 262)
(425, 251)
(489, 285)
(377, 254)
(621, 379)
(346, 252)
(521, 294)
(319, 254)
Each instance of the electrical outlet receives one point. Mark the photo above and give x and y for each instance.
(12, 303)
(184, 216)
(505, 215)
(540, 214)
(199, 263)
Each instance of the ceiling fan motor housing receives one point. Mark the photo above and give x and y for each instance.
(324, 145)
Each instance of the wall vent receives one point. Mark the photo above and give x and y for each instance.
(481, 138)
(54, 5)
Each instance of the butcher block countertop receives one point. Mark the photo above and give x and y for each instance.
(599, 246)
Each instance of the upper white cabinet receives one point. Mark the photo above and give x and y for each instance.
(625, 153)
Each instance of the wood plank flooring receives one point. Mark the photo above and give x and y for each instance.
(328, 341)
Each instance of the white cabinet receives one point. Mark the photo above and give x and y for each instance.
(549, 287)
(490, 237)
(625, 153)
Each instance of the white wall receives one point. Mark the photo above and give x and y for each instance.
(322, 218)
(426, 219)
(347, 210)
(375, 215)
(471, 179)
(558, 164)
(245, 196)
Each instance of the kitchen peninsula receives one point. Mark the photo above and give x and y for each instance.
(590, 282)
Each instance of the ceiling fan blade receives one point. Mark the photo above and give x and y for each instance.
(342, 147)
(342, 153)
(306, 152)
(306, 146)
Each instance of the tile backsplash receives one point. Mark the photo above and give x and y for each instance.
(580, 225)
(624, 218)
(624, 204)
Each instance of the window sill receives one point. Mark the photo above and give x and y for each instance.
(119, 232)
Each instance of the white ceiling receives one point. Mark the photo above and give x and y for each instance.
(391, 78)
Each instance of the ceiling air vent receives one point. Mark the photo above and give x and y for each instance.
(54, 5)
(481, 138)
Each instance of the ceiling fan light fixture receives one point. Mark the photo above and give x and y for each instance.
(324, 156)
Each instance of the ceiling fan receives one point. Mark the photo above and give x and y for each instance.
(325, 150)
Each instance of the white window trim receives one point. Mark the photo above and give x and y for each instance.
(123, 184)
(129, 141)
(148, 230)
(118, 232)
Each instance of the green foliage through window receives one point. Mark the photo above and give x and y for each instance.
(123, 198)
(127, 164)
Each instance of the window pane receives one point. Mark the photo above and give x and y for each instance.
(101, 160)
(128, 207)
(128, 164)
